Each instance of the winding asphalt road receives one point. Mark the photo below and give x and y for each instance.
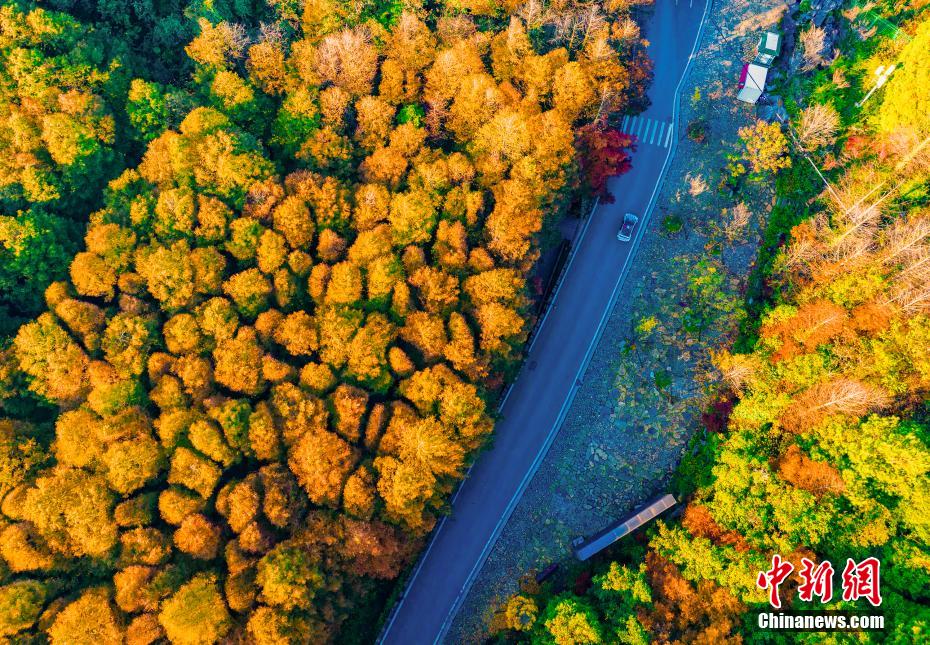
(536, 404)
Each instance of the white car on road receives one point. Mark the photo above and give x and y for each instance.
(626, 231)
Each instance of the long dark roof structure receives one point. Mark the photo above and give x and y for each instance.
(585, 548)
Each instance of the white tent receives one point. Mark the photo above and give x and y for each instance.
(752, 82)
(768, 48)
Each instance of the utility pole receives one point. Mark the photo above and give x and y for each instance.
(883, 73)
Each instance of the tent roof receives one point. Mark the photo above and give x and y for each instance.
(770, 42)
(755, 76)
(752, 82)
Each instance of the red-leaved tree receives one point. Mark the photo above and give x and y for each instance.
(605, 153)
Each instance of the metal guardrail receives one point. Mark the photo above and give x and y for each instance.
(554, 292)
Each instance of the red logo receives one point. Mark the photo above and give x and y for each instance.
(772, 578)
(816, 581)
(860, 580)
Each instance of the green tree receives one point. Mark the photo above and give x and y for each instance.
(21, 603)
(710, 300)
(35, 249)
(569, 621)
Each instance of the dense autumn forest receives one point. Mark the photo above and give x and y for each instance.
(818, 443)
(262, 276)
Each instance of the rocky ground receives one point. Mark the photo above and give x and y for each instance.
(647, 382)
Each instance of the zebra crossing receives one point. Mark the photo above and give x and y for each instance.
(646, 130)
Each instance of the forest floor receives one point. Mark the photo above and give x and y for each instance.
(647, 383)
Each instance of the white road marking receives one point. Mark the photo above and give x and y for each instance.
(648, 131)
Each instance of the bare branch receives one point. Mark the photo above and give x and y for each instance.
(838, 396)
(813, 39)
(817, 126)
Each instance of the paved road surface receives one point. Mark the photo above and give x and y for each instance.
(541, 395)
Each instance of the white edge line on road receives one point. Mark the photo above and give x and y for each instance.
(508, 511)
(597, 337)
